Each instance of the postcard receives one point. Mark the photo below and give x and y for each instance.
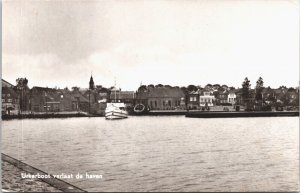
(150, 96)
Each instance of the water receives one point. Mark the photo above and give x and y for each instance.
(169, 153)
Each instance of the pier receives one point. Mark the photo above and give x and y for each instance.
(236, 114)
(52, 182)
(49, 115)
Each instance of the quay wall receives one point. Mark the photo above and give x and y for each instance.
(53, 182)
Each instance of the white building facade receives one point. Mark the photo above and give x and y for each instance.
(207, 99)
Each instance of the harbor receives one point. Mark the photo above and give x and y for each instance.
(161, 153)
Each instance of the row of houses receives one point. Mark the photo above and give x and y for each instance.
(170, 98)
(43, 99)
(94, 99)
(269, 96)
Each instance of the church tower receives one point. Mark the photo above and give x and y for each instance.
(92, 85)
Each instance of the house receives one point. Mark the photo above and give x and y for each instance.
(165, 98)
(57, 100)
(231, 97)
(44, 99)
(10, 101)
(280, 95)
(193, 99)
(268, 95)
(238, 93)
(207, 99)
(293, 97)
(79, 102)
(6, 84)
(223, 97)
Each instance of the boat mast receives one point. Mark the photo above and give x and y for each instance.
(115, 91)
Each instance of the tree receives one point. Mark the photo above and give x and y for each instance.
(258, 89)
(75, 88)
(168, 86)
(150, 86)
(159, 86)
(282, 87)
(191, 88)
(23, 90)
(246, 89)
(208, 86)
(142, 88)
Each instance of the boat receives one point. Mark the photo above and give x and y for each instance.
(140, 109)
(115, 111)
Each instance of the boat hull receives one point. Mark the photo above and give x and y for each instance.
(115, 115)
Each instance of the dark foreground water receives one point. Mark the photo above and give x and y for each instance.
(170, 153)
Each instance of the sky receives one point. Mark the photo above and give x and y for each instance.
(60, 43)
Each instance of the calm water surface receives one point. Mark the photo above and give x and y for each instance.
(169, 153)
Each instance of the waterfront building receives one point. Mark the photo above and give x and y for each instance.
(6, 84)
(207, 99)
(10, 101)
(44, 99)
(231, 97)
(293, 97)
(193, 99)
(79, 102)
(141, 97)
(223, 97)
(165, 98)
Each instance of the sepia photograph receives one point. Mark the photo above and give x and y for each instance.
(150, 96)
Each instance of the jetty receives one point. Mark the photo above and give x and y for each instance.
(50, 115)
(236, 114)
(167, 112)
(52, 183)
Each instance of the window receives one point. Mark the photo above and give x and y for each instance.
(191, 99)
(9, 100)
(169, 102)
(3, 95)
(155, 103)
(8, 95)
(3, 100)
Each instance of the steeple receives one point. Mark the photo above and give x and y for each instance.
(92, 85)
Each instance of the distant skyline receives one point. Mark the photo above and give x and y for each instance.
(60, 43)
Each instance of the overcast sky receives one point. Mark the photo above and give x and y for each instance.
(59, 43)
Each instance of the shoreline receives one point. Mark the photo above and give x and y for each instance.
(13, 182)
(190, 113)
(237, 114)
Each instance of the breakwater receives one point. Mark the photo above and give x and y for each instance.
(52, 181)
(48, 115)
(212, 114)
